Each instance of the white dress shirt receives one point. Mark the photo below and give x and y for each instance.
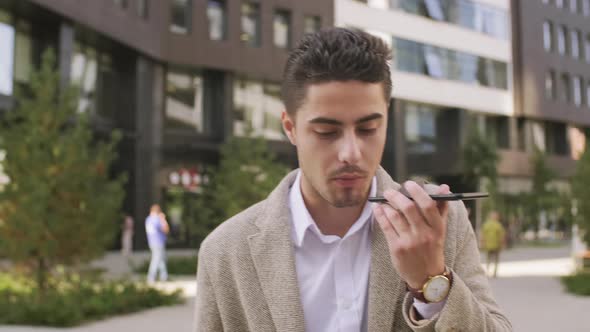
(333, 272)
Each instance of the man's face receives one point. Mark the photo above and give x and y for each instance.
(339, 133)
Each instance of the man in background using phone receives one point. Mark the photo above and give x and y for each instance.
(315, 255)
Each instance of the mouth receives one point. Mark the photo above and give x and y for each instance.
(348, 180)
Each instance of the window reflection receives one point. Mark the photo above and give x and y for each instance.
(251, 24)
(447, 64)
(282, 28)
(577, 91)
(420, 128)
(311, 24)
(184, 101)
(550, 85)
(257, 107)
(476, 16)
(216, 16)
(575, 42)
(181, 17)
(6, 54)
(561, 39)
(565, 91)
(547, 35)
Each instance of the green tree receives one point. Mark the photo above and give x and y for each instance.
(480, 157)
(60, 203)
(541, 197)
(248, 171)
(580, 182)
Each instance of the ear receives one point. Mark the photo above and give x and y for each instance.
(289, 127)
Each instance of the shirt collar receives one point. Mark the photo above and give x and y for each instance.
(302, 219)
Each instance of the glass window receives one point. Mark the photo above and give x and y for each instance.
(588, 93)
(565, 88)
(184, 100)
(258, 107)
(91, 71)
(574, 6)
(577, 91)
(181, 16)
(251, 24)
(448, 64)
(282, 29)
(121, 3)
(575, 43)
(143, 8)
(587, 48)
(559, 3)
(547, 40)
(561, 39)
(6, 54)
(586, 7)
(497, 127)
(311, 23)
(420, 128)
(470, 14)
(550, 85)
(545, 2)
(409, 56)
(217, 19)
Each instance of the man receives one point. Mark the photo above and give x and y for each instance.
(156, 228)
(493, 240)
(315, 256)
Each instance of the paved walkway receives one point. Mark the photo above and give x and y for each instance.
(527, 288)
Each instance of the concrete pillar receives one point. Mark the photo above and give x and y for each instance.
(148, 114)
(65, 52)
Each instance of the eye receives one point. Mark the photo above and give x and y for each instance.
(367, 131)
(326, 134)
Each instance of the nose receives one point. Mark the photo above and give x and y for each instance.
(350, 152)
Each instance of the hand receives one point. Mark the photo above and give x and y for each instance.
(415, 232)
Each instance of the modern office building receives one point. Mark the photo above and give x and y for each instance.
(552, 78)
(176, 76)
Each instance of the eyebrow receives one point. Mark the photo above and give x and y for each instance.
(322, 120)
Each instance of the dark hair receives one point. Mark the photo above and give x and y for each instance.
(335, 54)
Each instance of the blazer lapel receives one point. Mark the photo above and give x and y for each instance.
(274, 260)
(386, 289)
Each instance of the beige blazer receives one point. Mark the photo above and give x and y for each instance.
(246, 279)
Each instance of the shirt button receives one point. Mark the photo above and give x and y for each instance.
(345, 304)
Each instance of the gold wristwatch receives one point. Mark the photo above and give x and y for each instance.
(435, 289)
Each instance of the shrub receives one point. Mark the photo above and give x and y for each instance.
(75, 301)
(578, 283)
(177, 265)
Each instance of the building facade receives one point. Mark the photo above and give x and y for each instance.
(177, 77)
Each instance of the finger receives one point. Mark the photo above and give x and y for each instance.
(427, 206)
(399, 222)
(443, 209)
(407, 208)
(385, 225)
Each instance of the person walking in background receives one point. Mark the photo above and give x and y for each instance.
(156, 229)
(127, 236)
(493, 240)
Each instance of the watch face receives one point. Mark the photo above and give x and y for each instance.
(436, 289)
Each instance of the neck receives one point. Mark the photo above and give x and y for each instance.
(330, 220)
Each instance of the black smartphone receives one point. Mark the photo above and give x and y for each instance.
(440, 197)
